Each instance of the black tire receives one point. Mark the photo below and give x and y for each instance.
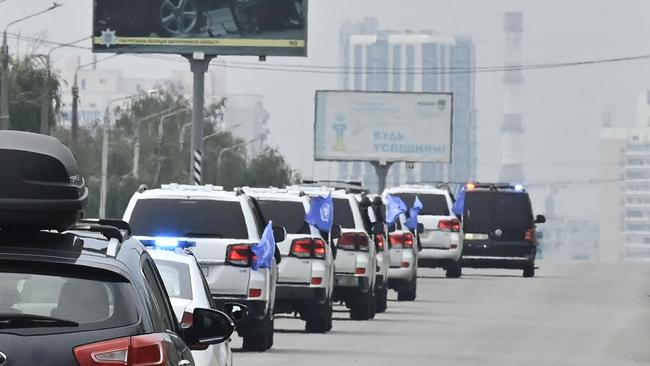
(381, 301)
(529, 271)
(259, 342)
(362, 309)
(408, 292)
(175, 26)
(454, 270)
(320, 322)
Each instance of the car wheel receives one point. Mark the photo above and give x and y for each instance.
(362, 309)
(262, 341)
(179, 18)
(408, 292)
(320, 322)
(529, 271)
(455, 270)
(381, 301)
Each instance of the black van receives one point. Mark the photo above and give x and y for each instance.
(499, 228)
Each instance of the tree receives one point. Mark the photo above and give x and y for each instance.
(29, 82)
(268, 169)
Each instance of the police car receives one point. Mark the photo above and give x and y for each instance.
(500, 230)
(442, 237)
(356, 260)
(76, 292)
(187, 290)
(225, 226)
(306, 277)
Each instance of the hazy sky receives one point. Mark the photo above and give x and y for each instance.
(563, 107)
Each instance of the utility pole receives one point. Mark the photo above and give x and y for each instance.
(74, 128)
(199, 64)
(381, 169)
(4, 80)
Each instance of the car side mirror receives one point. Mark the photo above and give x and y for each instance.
(336, 232)
(279, 233)
(208, 327)
(420, 228)
(236, 311)
(377, 228)
(540, 219)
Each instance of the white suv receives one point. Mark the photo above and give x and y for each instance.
(404, 252)
(442, 239)
(306, 278)
(224, 226)
(355, 264)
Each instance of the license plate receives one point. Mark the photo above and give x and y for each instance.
(471, 236)
(205, 270)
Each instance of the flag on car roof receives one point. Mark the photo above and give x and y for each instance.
(321, 213)
(412, 222)
(394, 207)
(459, 206)
(265, 249)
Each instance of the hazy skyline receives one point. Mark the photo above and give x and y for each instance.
(563, 108)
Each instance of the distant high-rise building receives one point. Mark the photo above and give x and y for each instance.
(625, 188)
(413, 61)
(512, 130)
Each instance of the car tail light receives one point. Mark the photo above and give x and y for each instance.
(354, 241)
(316, 280)
(308, 248)
(360, 271)
(145, 350)
(255, 292)
(239, 255)
(405, 264)
(187, 320)
(452, 225)
(380, 242)
(530, 235)
(401, 240)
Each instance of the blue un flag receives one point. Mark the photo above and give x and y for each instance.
(459, 206)
(265, 249)
(412, 222)
(394, 207)
(321, 213)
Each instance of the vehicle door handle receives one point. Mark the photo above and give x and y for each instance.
(184, 363)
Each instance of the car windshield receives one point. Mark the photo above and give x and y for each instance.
(176, 277)
(487, 211)
(189, 218)
(343, 213)
(37, 301)
(288, 214)
(432, 204)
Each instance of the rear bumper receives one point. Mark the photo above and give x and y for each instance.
(300, 293)
(510, 255)
(348, 286)
(441, 253)
(400, 274)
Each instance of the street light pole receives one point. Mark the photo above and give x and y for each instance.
(4, 68)
(227, 149)
(161, 137)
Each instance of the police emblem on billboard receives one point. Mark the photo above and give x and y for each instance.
(108, 38)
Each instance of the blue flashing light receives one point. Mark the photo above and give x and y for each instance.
(519, 188)
(165, 243)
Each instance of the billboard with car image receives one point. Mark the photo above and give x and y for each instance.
(383, 126)
(214, 27)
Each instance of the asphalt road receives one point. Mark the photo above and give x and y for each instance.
(571, 314)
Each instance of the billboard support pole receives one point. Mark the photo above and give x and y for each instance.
(381, 169)
(199, 64)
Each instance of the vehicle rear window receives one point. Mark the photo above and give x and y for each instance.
(38, 302)
(432, 204)
(343, 213)
(290, 215)
(485, 211)
(176, 277)
(189, 218)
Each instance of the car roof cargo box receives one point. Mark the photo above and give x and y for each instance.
(40, 184)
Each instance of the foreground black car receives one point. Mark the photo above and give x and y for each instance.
(76, 292)
(499, 228)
